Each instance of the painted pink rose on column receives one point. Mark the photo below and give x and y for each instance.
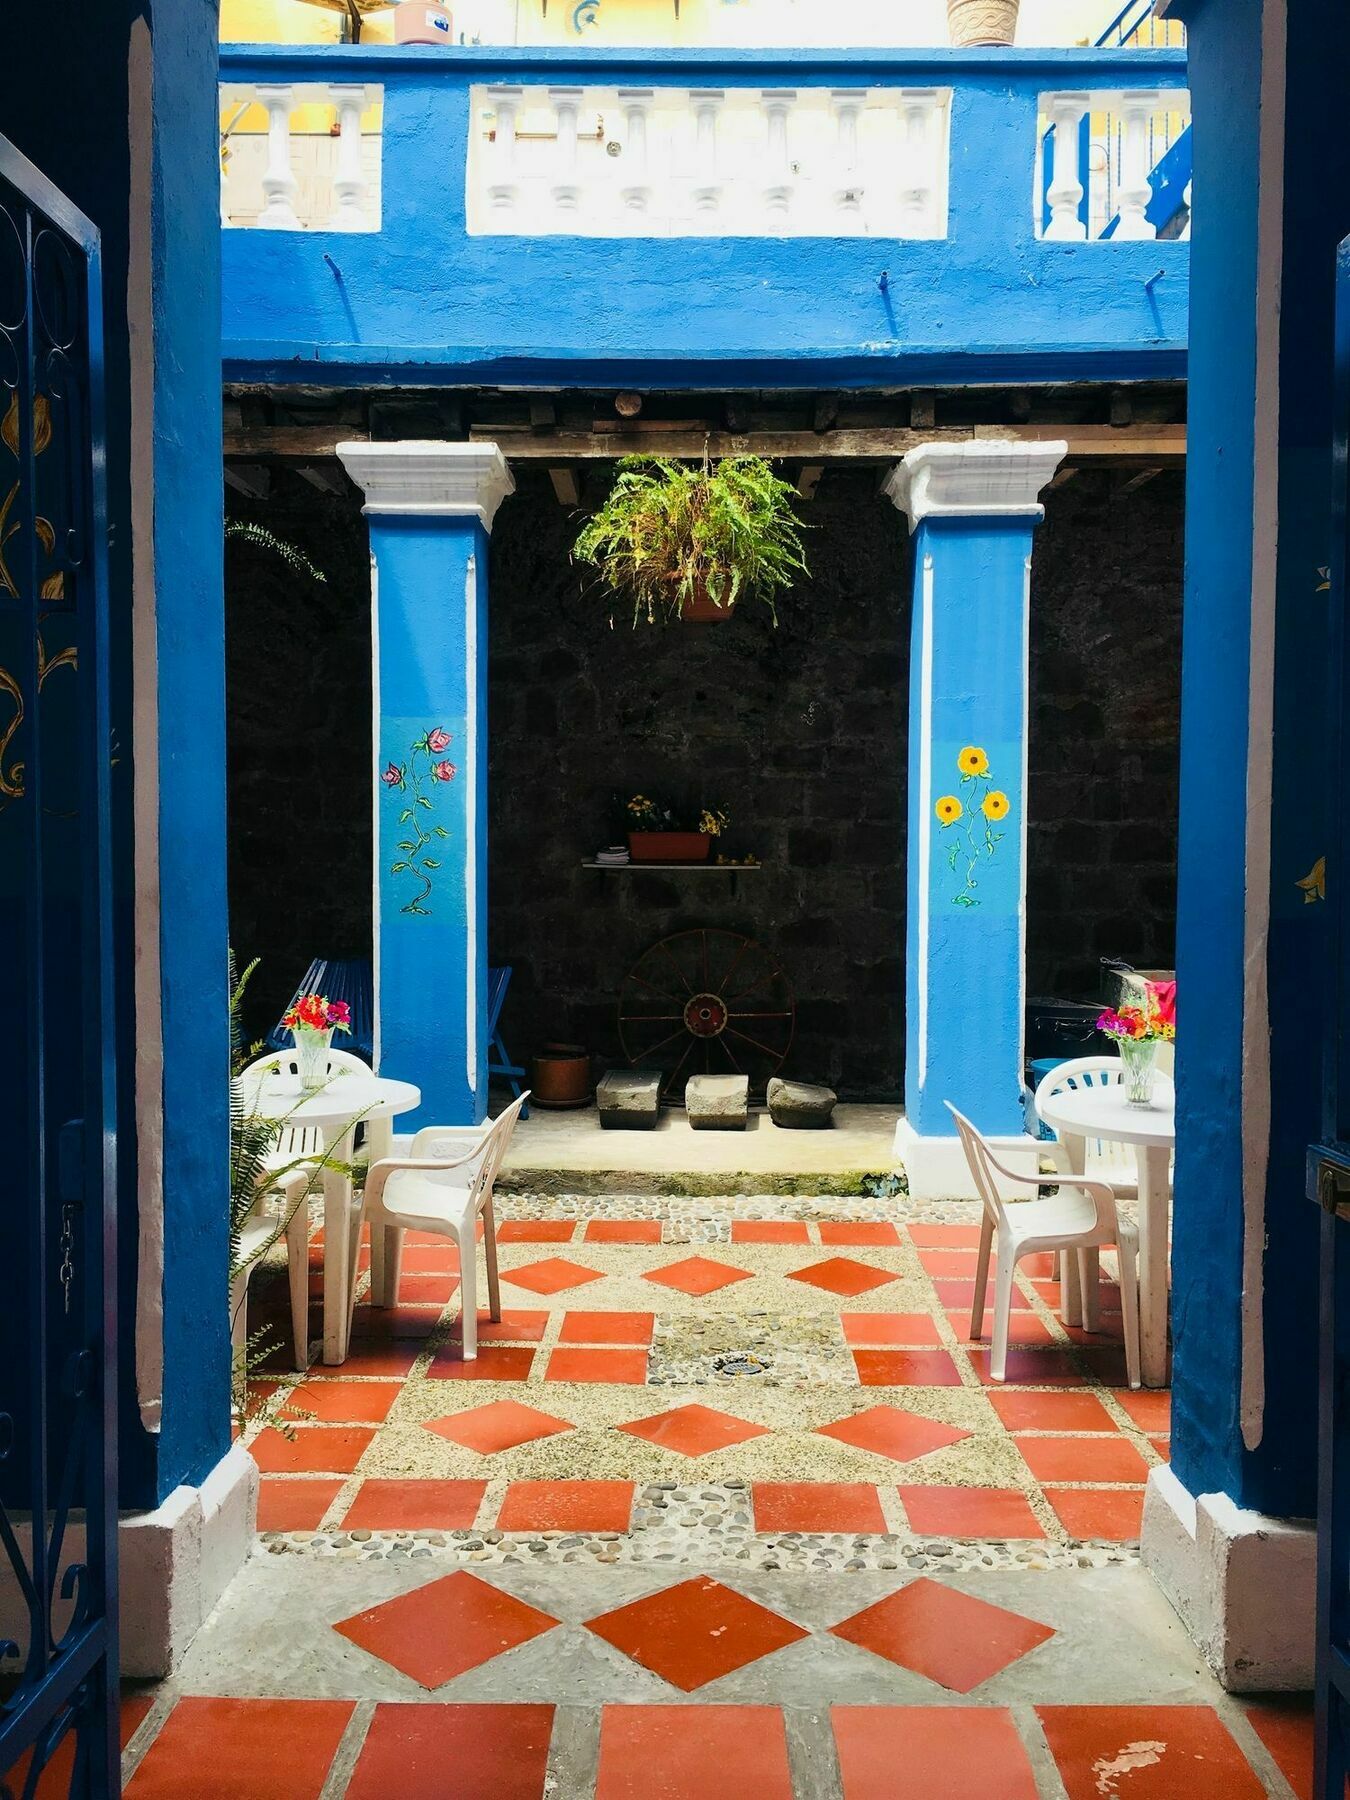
(392, 775)
(416, 819)
(438, 740)
(443, 771)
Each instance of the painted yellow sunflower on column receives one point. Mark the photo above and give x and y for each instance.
(948, 809)
(995, 805)
(973, 761)
(983, 807)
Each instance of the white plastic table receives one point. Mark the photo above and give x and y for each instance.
(1103, 1112)
(346, 1101)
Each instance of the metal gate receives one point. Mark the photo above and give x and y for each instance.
(58, 1274)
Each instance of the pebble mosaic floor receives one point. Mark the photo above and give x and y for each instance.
(739, 1456)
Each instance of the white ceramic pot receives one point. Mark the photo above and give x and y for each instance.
(971, 22)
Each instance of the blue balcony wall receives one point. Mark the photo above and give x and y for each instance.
(421, 300)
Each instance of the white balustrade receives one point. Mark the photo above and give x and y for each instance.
(349, 183)
(1065, 193)
(848, 104)
(278, 182)
(635, 188)
(920, 109)
(779, 190)
(503, 186)
(1137, 109)
(707, 190)
(312, 165)
(567, 107)
(1107, 196)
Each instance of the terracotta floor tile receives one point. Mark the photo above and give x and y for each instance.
(970, 1512)
(906, 1368)
(877, 1232)
(567, 1506)
(454, 1752)
(1163, 1445)
(502, 1425)
(1147, 1753)
(1032, 1368)
(1023, 1328)
(414, 1505)
(945, 1237)
(943, 1634)
(769, 1231)
(1076, 1459)
(294, 1505)
(494, 1362)
(444, 1629)
(423, 1290)
(54, 1783)
(375, 1356)
(890, 1431)
(607, 1328)
(882, 1329)
(695, 1632)
(536, 1231)
(1113, 1516)
(431, 1259)
(697, 1275)
(650, 1753)
(242, 1750)
(1150, 1408)
(693, 1430)
(314, 1450)
(514, 1327)
(960, 1295)
(1284, 1724)
(552, 1276)
(1105, 1366)
(816, 1506)
(622, 1231)
(1051, 1412)
(346, 1402)
(931, 1753)
(628, 1367)
(950, 1264)
(386, 1322)
(1041, 1265)
(841, 1275)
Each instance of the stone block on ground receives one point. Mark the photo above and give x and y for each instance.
(801, 1106)
(717, 1102)
(629, 1100)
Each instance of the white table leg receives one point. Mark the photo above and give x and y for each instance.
(1154, 1186)
(379, 1145)
(1070, 1289)
(337, 1206)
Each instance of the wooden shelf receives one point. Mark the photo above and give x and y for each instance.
(691, 868)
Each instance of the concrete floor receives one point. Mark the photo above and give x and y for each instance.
(567, 1152)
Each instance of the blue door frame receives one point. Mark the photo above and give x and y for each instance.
(58, 1474)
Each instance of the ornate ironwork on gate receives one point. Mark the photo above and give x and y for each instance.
(58, 1614)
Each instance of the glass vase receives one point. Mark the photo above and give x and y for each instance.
(1140, 1057)
(311, 1049)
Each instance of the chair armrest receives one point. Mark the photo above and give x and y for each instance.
(379, 1172)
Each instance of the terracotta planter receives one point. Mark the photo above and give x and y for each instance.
(703, 611)
(561, 1076)
(972, 22)
(669, 846)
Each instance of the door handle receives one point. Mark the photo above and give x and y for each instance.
(1333, 1189)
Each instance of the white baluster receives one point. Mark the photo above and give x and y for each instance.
(781, 185)
(1186, 228)
(503, 188)
(1135, 192)
(349, 182)
(278, 182)
(708, 187)
(635, 188)
(919, 111)
(1065, 193)
(566, 106)
(847, 105)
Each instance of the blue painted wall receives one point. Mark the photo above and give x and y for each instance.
(431, 841)
(974, 810)
(421, 300)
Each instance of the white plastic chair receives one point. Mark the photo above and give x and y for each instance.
(443, 1186)
(281, 1207)
(1079, 1218)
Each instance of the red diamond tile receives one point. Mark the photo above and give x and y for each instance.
(931, 1753)
(494, 1362)
(841, 1275)
(769, 1231)
(628, 1367)
(970, 1512)
(906, 1368)
(697, 1275)
(445, 1628)
(215, 1749)
(889, 1431)
(415, 1506)
(960, 1263)
(649, 1753)
(384, 1323)
(960, 1295)
(693, 1430)
(500, 1426)
(552, 1276)
(817, 1506)
(422, 1290)
(380, 1355)
(346, 1402)
(876, 1232)
(943, 1634)
(434, 1751)
(1099, 1458)
(623, 1231)
(879, 1329)
(294, 1505)
(1147, 1753)
(567, 1506)
(607, 1328)
(1023, 1328)
(695, 1632)
(1106, 1515)
(312, 1450)
(430, 1259)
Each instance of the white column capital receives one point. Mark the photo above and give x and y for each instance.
(430, 479)
(984, 478)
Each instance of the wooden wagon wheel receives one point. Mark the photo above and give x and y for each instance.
(707, 1002)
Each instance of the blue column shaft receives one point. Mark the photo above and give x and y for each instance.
(967, 823)
(431, 811)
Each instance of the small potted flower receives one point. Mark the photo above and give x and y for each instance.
(656, 835)
(1137, 1031)
(311, 1021)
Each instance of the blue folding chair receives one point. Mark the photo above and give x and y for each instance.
(498, 982)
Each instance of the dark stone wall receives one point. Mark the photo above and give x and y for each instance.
(800, 732)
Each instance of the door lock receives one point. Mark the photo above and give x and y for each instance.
(1333, 1190)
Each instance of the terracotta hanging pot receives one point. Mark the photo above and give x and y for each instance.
(701, 609)
(669, 846)
(973, 22)
(561, 1076)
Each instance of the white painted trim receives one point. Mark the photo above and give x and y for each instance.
(983, 479)
(149, 1052)
(422, 479)
(925, 809)
(1026, 818)
(936, 1167)
(375, 792)
(1243, 1584)
(471, 1049)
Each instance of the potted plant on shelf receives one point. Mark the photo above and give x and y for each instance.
(655, 834)
(972, 22)
(686, 542)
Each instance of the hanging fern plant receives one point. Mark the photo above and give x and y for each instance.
(262, 539)
(678, 540)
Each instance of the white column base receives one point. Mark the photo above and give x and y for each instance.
(1244, 1585)
(937, 1169)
